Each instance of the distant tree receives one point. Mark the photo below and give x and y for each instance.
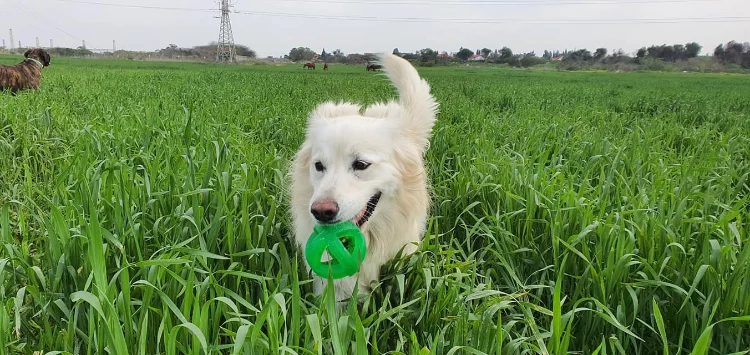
(514, 60)
(69, 52)
(745, 63)
(301, 53)
(641, 52)
(668, 53)
(655, 51)
(678, 52)
(354, 58)
(504, 56)
(486, 52)
(243, 51)
(478, 52)
(428, 55)
(464, 54)
(396, 52)
(600, 53)
(506, 53)
(581, 55)
(336, 57)
(671, 53)
(323, 54)
(693, 49)
(617, 56)
(547, 55)
(719, 52)
(411, 56)
(733, 52)
(530, 61)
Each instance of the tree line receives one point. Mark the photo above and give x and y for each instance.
(207, 51)
(734, 53)
(731, 53)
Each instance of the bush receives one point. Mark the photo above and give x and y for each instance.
(571, 65)
(653, 64)
(530, 61)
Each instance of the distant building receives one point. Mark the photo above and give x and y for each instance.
(476, 58)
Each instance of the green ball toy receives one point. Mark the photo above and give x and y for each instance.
(345, 245)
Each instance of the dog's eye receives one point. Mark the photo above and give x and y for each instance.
(319, 166)
(360, 165)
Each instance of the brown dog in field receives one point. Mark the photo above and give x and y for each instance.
(325, 67)
(309, 65)
(26, 74)
(374, 67)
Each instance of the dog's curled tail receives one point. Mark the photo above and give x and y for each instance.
(420, 107)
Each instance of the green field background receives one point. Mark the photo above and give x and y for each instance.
(143, 210)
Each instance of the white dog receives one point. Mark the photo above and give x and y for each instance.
(367, 167)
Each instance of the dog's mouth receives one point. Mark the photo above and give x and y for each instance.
(361, 218)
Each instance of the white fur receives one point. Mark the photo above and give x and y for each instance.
(393, 137)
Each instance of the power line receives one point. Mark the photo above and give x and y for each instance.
(139, 6)
(491, 2)
(499, 21)
(417, 2)
(461, 20)
(46, 21)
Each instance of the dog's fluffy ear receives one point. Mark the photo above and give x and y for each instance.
(26, 55)
(45, 58)
(329, 110)
(419, 107)
(300, 189)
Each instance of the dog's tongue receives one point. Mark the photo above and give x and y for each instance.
(359, 216)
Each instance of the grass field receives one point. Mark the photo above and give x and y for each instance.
(143, 211)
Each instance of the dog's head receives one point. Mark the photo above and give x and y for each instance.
(39, 54)
(351, 164)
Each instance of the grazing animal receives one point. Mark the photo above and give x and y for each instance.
(309, 66)
(26, 75)
(373, 67)
(366, 165)
(325, 66)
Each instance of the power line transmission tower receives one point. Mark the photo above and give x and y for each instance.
(225, 49)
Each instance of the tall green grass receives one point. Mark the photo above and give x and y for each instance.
(143, 211)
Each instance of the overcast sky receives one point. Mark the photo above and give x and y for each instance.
(522, 25)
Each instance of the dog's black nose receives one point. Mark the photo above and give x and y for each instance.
(325, 211)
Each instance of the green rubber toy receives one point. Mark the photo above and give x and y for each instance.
(345, 245)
